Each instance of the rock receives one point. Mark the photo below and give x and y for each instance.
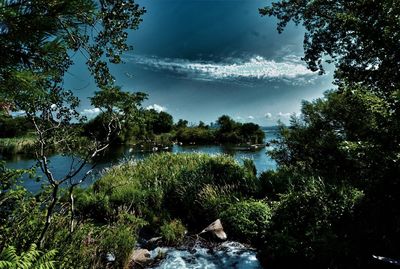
(140, 256)
(216, 229)
(110, 257)
(152, 242)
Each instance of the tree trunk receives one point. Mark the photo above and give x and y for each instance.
(49, 215)
(72, 204)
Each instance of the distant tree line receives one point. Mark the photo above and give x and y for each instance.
(154, 124)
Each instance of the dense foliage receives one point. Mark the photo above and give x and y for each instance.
(360, 36)
(338, 175)
(331, 203)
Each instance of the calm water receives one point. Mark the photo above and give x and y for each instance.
(61, 164)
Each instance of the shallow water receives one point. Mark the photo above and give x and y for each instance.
(228, 255)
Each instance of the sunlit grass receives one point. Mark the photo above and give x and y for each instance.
(17, 145)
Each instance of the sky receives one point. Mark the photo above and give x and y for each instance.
(200, 59)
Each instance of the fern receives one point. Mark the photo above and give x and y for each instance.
(31, 259)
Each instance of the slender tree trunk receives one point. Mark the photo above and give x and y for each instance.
(72, 202)
(49, 215)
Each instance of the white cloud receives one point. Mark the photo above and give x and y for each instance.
(250, 117)
(288, 69)
(156, 107)
(91, 112)
(284, 115)
(268, 115)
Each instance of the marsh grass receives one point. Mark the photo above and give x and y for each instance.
(17, 145)
(192, 187)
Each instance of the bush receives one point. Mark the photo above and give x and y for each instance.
(173, 232)
(311, 226)
(273, 183)
(89, 244)
(246, 220)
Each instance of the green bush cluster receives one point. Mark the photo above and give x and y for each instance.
(309, 226)
(246, 220)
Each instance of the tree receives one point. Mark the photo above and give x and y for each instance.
(159, 122)
(182, 123)
(361, 37)
(252, 133)
(346, 140)
(38, 40)
(97, 29)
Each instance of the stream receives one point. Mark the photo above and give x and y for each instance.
(228, 255)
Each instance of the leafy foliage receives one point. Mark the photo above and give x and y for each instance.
(32, 258)
(173, 232)
(360, 36)
(246, 220)
(310, 225)
(235, 132)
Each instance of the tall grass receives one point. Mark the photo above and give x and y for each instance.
(193, 187)
(17, 145)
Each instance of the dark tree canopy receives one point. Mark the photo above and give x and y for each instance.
(361, 37)
(38, 39)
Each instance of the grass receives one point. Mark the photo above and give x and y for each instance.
(191, 187)
(17, 145)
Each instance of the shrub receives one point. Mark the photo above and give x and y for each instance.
(246, 220)
(173, 232)
(89, 244)
(311, 226)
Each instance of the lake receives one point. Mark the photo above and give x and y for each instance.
(61, 164)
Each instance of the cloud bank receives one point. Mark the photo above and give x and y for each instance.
(289, 69)
(156, 107)
(91, 112)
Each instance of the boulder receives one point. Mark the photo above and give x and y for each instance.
(215, 229)
(152, 243)
(140, 256)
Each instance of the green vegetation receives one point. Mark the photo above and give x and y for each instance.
(173, 232)
(227, 131)
(14, 127)
(17, 145)
(157, 127)
(192, 187)
(247, 220)
(338, 162)
(332, 202)
(33, 258)
(163, 195)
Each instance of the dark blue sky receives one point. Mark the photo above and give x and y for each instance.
(199, 59)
